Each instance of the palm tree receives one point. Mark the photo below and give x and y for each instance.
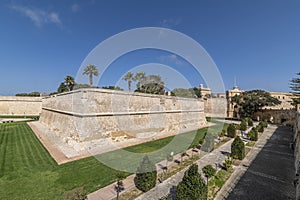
(128, 77)
(69, 82)
(91, 70)
(139, 77)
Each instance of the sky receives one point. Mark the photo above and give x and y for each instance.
(253, 43)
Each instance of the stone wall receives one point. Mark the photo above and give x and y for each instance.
(88, 114)
(297, 152)
(215, 107)
(285, 117)
(20, 106)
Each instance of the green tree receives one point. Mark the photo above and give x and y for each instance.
(139, 77)
(227, 163)
(119, 187)
(145, 178)
(231, 131)
(192, 185)
(243, 125)
(295, 84)
(209, 142)
(151, 84)
(238, 148)
(91, 70)
(208, 171)
(253, 134)
(251, 101)
(250, 122)
(69, 82)
(128, 77)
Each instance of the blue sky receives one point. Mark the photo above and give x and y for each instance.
(41, 42)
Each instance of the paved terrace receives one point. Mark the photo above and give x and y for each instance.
(270, 175)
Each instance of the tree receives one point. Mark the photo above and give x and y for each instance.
(151, 84)
(128, 77)
(243, 125)
(253, 134)
(251, 101)
(182, 155)
(192, 185)
(209, 143)
(295, 84)
(227, 163)
(231, 131)
(146, 175)
(91, 70)
(208, 171)
(139, 77)
(238, 148)
(69, 82)
(250, 122)
(119, 187)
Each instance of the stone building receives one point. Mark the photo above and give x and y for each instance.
(232, 109)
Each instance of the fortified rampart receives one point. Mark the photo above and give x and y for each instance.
(215, 107)
(20, 106)
(87, 114)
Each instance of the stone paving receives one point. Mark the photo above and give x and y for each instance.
(266, 172)
(163, 189)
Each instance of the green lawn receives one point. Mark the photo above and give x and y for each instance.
(27, 171)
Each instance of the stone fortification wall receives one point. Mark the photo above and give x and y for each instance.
(20, 106)
(297, 151)
(285, 117)
(215, 107)
(88, 114)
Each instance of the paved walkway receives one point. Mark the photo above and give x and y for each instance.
(267, 171)
(163, 189)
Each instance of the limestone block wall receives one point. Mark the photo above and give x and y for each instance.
(89, 114)
(297, 152)
(215, 107)
(285, 117)
(20, 106)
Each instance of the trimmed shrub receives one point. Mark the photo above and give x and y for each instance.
(223, 133)
(145, 178)
(253, 135)
(209, 171)
(238, 149)
(192, 185)
(227, 163)
(260, 128)
(250, 122)
(243, 125)
(231, 131)
(209, 143)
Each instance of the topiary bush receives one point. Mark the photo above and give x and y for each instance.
(243, 125)
(238, 149)
(250, 122)
(145, 178)
(192, 185)
(231, 131)
(253, 135)
(260, 128)
(209, 143)
(209, 171)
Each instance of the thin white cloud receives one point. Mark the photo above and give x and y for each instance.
(37, 16)
(75, 8)
(171, 59)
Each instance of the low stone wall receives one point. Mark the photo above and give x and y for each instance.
(88, 114)
(20, 106)
(215, 107)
